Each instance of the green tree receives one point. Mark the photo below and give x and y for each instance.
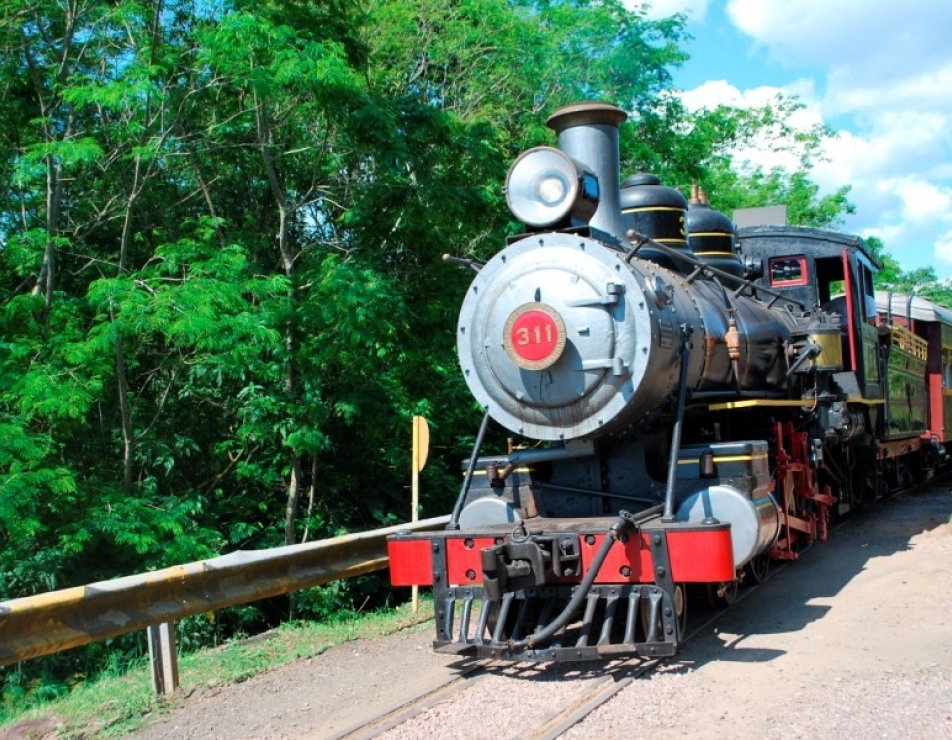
(707, 149)
(805, 204)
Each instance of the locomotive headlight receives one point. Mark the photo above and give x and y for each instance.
(553, 189)
(546, 187)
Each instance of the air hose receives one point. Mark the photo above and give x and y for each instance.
(619, 527)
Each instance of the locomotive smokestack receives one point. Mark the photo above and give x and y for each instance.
(588, 133)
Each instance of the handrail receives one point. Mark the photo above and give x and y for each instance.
(909, 342)
(39, 625)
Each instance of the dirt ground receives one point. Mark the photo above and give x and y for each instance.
(853, 640)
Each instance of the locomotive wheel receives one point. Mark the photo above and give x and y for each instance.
(869, 486)
(681, 608)
(758, 568)
(722, 595)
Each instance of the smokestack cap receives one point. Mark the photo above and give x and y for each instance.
(586, 114)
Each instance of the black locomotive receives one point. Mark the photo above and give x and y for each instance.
(699, 401)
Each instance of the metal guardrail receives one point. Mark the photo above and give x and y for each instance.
(39, 625)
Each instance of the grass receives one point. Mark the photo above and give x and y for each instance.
(111, 707)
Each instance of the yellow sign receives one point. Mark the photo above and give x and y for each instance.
(421, 443)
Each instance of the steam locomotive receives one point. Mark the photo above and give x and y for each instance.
(695, 401)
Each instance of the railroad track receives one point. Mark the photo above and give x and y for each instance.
(586, 702)
(469, 676)
(554, 721)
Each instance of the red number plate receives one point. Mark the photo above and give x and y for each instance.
(534, 336)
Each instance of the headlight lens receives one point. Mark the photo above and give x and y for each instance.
(553, 189)
(544, 187)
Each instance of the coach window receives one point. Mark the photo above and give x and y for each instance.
(947, 368)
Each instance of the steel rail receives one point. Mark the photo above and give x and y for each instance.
(408, 710)
(33, 626)
(588, 701)
(560, 722)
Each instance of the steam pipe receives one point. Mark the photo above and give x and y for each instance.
(676, 431)
(637, 241)
(468, 480)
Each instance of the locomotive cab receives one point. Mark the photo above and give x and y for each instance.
(825, 271)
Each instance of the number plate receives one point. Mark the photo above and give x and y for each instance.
(534, 336)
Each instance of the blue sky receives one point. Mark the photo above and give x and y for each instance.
(877, 72)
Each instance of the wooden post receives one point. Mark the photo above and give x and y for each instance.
(163, 657)
(421, 446)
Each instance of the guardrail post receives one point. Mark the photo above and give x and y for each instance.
(163, 657)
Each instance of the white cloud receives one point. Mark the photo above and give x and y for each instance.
(849, 92)
(711, 94)
(943, 247)
(716, 92)
(920, 200)
(874, 54)
(870, 36)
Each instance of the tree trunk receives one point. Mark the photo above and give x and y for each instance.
(311, 492)
(294, 496)
(125, 414)
(46, 280)
(125, 409)
(287, 262)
